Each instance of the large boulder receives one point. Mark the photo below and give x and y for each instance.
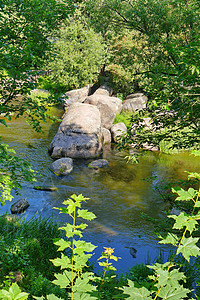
(117, 130)
(134, 102)
(79, 134)
(104, 89)
(108, 107)
(62, 166)
(74, 96)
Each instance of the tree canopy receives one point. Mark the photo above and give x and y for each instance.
(155, 46)
(25, 30)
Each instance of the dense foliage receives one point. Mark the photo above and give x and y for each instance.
(154, 46)
(77, 57)
(25, 30)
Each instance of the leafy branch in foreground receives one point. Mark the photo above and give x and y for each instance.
(12, 171)
(73, 278)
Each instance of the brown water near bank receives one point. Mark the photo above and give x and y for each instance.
(118, 193)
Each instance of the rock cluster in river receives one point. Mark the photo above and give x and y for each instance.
(88, 121)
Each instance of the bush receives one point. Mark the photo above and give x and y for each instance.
(78, 56)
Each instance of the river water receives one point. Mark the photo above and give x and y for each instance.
(118, 193)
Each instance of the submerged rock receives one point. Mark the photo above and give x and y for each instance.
(99, 163)
(45, 188)
(19, 206)
(133, 251)
(62, 166)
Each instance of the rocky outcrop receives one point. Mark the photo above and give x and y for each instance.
(117, 130)
(108, 107)
(134, 102)
(62, 166)
(19, 206)
(79, 134)
(74, 96)
(99, 163)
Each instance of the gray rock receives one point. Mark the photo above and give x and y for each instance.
(19, 206)
(62, 166)
(104, 89)
(74, 96)
(117, 130)
(150, 147)
(175, 211)
(99, 163)
(106, 136)
(134, 102)
(108, 107)
(79, 134)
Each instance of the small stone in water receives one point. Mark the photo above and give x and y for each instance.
(19, 206)
(45, 188)
(99, 163)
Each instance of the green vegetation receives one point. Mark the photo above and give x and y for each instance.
(124, 117)
(148, 45)
(77, 57)
(25, 250)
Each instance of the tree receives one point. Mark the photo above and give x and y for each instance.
(78, 55)
(167, 61)
(25, 31)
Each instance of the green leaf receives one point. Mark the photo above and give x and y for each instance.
(185, 195)
(82, 246)
(197, 204)
(170, 293)
(170, 239)
(189, 248)
(70, 231)
(81, 261)
(63, 280)
(183, 220)
(136, 293)
(62, 244)
(194, 175)
(14, 293)
(171, 278)
(53, 297)
(85, 214)
(64, 262)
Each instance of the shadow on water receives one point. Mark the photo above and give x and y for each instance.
(118, 194)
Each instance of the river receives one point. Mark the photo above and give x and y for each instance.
(118, 193)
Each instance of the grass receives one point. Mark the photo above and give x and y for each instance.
(123, 117)
(25, 249)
